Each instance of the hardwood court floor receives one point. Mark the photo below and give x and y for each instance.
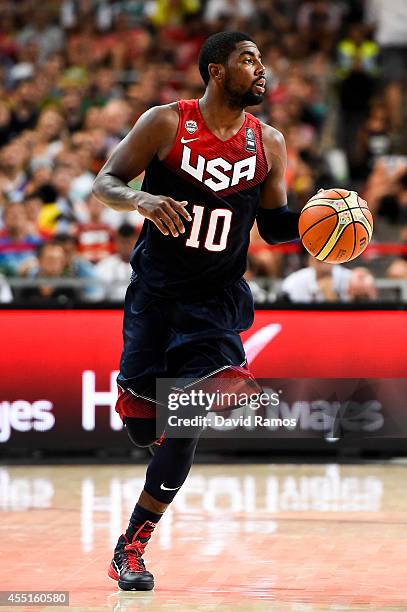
(241, 538)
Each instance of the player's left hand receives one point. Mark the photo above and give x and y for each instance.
(164, 212)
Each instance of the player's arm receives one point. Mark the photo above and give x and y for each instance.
(152, 135)
(276, 223)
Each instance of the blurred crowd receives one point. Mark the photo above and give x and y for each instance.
(76, 75)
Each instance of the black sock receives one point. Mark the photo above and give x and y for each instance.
(140, 515)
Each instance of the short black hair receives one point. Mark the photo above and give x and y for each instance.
(63, 237)
(126, 230)
(403, 180)
(44, 245)
(216, 50)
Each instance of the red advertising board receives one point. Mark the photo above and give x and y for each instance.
(328, 344)
(58, 368)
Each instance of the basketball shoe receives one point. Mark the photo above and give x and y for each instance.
(127, 566)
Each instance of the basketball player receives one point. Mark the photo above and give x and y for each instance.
(211, 169)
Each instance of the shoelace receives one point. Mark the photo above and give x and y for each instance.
(134, 561)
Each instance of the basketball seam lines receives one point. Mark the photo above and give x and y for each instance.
(364, 227)
(331, 199)
(315, 197)
(320, 251)
(367, 219)
(337, 213)
(363, 209)
(319, 221)
(353, 224)
(328, 217)
(336, 242)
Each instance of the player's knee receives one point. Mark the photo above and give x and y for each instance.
(142, 432)
(138, 416)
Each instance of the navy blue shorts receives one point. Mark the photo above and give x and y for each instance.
(183, 338)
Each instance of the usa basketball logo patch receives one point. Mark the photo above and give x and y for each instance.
(250, 140)
(191, 126)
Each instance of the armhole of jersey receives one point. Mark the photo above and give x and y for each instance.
(174, 144)
(262, 148)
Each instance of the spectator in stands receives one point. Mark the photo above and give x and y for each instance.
(373, 141)
(318, 20)
(78, 267)
(265, 261)
(318, 282)
(17, 245)
(33, 206)
(170, 13)
(104, 87)
(6, 295)
(49, 131)
(77, 159)
(259, 294)
(65, 106)
(361, 286)
(24, 107)
(357, 72)
(40, 174)
(51, 264)
(13, 175)
(135, 11)
(324, 282)
(126, 45)
(393, 205)
(40, 30)
(397, 270)
(116, 122)
(85, 47)
(390, 23)
(382, 183)
(71, 108)
(217, 12)
(95, 238)
(57, 215)
(5, 123)
(115, 271)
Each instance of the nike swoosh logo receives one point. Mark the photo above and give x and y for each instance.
(164, 488)
(185, 140)
(257, 341)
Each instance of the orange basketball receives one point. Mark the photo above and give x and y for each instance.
(336, 225)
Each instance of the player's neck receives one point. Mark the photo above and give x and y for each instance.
(218, 116)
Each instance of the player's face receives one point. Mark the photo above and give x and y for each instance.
(245, 82)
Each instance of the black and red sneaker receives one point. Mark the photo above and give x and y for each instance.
(127, 566)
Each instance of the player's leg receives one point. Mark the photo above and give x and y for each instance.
(204, 339)
(144, 336)
(165, 475)
(171, 463)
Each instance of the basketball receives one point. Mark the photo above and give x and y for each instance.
(336, 225)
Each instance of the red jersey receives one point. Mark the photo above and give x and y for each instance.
(221, 180)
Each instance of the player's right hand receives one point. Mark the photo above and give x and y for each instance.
(165, 213)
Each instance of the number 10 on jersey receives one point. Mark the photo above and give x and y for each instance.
(218, 215)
